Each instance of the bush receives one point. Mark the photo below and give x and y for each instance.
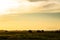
(30, 31)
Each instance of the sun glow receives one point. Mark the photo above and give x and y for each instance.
(24, 6)
(13, 6)
(7, 4)
(19, 6)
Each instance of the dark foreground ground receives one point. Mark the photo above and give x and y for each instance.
(30, 35)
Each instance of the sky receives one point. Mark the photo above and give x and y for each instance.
(28, 6)
(29, 14)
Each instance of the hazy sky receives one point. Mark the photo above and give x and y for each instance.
(29, 14)
(33, 21)
(28, 6)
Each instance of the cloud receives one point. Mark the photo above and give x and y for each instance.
(42, 0)
(36, 0)
(25, 6)
(40, 6)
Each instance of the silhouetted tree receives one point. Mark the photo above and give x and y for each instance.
(6, 31)
(30, 31)
(58, 31)
(40, 30)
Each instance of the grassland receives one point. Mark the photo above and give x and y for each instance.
(29, 35)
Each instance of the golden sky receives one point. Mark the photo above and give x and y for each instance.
(29, 14)
(28, 6)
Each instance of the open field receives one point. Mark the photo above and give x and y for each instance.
(30, 35)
